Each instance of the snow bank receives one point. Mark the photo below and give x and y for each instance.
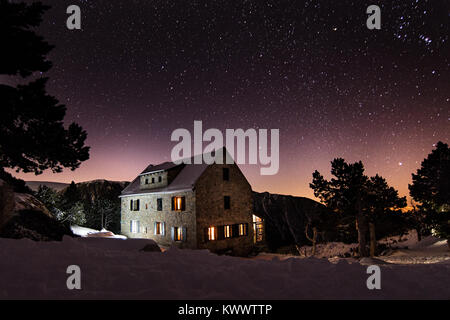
(88, 232)
(117, 269)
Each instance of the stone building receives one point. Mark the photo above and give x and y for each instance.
(194, 206)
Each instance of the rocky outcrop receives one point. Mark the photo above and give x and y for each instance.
(34, 225)
(285, 217)
(25, 201)
(23, 216)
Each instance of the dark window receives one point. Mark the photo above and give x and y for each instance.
(159, 204)
(178, 203)
(146, 181)
(220, 233)
(159, 179)
(226, 174)
(153, 180)
(136, 205)
(226, 202)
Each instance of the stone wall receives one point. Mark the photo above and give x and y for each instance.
(148, 215)
(210, 190)
(155, 176)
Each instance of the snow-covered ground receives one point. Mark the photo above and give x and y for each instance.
(88, 232)
(400, 250)
(408, 250)
(117, 269)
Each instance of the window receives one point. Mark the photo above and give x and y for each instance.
(226, 174)
(159, 179)
(227, 231)
(212, 233)
(178, 203)
(178, 234)
(153, 180)
(226, 202)
(159, 228)
(258, 229)
(243, 229)
(134, 205)
(134, 226)
(159, 204)
(146, 181)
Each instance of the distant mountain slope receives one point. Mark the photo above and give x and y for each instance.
(285, 217)
(91, 190)
(34, 185)
(101, 189)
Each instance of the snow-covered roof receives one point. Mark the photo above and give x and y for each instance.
(160, 167)
(185, 180)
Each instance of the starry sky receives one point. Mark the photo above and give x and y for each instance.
(312, 69)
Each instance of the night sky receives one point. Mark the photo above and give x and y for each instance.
(140, 69)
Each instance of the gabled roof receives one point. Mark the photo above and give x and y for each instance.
(185, 180)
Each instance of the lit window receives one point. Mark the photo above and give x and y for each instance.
(178, 233)
(134, 226)
(258, 229)
(212, 233)
(227, 231)
(243, 229)
(158, 228)
(178, 203)
(256, 219)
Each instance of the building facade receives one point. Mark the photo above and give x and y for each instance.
(196, 206)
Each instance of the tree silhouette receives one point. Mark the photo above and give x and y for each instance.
(381, 200)
(32, 133)
(345, 194)
(70, 196)
(431, 188)
(431, 183)
(351, 193)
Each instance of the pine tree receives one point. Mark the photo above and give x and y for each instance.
(345, 194)
(381, 200)
(431, 188)
(32, 134)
